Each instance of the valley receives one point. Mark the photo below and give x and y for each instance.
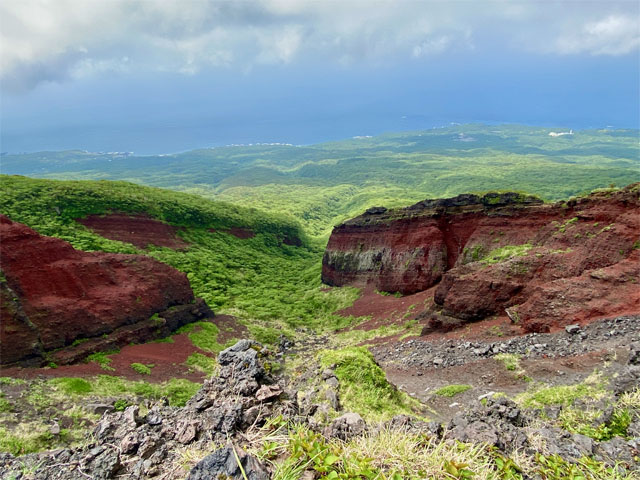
(293, 311)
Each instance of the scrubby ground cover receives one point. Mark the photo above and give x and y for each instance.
(40, 415)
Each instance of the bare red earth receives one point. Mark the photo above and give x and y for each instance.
(168, 359)
(582, 261)
(139, 230)
(53, 295)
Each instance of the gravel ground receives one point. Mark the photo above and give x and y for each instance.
(602, 335)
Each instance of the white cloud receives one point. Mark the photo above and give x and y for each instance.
(612, 35)
(54, 40)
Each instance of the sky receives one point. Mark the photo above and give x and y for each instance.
(166, 76)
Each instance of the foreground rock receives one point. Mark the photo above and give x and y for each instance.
(223, 464)
(54, 295)
(546, 265)
(135, 446)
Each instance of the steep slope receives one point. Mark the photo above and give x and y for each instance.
(548, 264)
(55, 295)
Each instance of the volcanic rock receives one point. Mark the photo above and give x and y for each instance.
(345, 427)
(223, 464)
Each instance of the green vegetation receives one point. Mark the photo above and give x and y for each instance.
(177, 391)
(601, 424)
(5, 405)
(73, 386)
(324, 184)
(505, 253)
(511, 361)
(12, 381)
(452, 390)
(272, 287)
(102, 359)
(203, 335)
(558, 395)
(202, 363)
(141, 368)
(395, 455)
(356, 335)
(30, 438)
(363, 385)
(566, 224)
(540, 396)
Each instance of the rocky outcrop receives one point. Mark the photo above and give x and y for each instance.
(226, 414)
(54, 296)
(547, 264)
(129, 444)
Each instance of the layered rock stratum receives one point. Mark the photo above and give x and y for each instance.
(60, 304)
(544, 265)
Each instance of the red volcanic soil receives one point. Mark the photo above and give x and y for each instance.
(241, 232)
(385, 309)
(168, 359)
(579, 261)
(53, 294)
(139, 230)
(229, 328)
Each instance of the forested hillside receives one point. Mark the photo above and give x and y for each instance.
(323, 184)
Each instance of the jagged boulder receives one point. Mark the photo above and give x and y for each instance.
(223, 463)
(497, 422)
(346, 427)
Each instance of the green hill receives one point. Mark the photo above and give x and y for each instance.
(271, 286)
(323, 184)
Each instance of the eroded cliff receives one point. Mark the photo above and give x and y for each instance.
(54, 296)
(544, 264)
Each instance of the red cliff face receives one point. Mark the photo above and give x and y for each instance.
(548, 264)
(53, 295)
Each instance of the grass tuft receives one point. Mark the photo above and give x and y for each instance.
(363, 385)
(452, 390)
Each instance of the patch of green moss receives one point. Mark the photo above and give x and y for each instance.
(102, 359)
(141, 368)
(202, 363)
(565, 395)
(452, 390)
(505, 253)
(5, 405)
(203, 335)
(177, 391)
